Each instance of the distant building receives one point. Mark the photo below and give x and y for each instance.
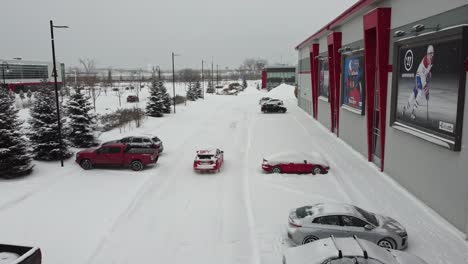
(276, 75)
(22, 75)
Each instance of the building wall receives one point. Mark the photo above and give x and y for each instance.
(436, 175)
(304, 84)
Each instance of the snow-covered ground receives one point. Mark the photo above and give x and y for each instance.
(170, 214)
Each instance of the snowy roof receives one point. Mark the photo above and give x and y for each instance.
(296, 157)
(333, 208)
(321, 250)
(207, 152)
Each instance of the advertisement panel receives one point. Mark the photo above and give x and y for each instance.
(352, 87)
(324, 84)
(429, 86)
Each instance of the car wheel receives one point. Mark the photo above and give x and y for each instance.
(316, 170)
(136, 165)
(309, 239)
(86, 164)
(284, 111)
(276, 170)
(387, 243)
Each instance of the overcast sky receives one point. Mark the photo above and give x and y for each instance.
(138, 33)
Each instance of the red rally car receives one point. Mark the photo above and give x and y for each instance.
(208, 160)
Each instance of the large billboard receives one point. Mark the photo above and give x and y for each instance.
(324, 78)
(352, 87)
(429, 85)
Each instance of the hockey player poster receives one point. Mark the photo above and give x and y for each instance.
(353, 82)
(428, 86)
(324, 78)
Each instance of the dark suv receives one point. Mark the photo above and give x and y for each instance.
(153, 142)
(273, 108)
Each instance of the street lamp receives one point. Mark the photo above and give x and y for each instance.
(3, 72)
(202, 81)
(56, 88)
(173, 80)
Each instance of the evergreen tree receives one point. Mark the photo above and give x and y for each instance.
(155, 106)
(167, 102)
(210, 88)
(81, 123)
(244, 84)
(14, 159)
(191, 93)
(44, 128)
(21, 95)
(197, 89)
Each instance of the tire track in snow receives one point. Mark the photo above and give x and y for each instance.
(247, 198)
(147, 188)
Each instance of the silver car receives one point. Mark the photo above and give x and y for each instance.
(350, 250)
(309, 223)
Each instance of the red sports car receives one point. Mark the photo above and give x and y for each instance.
(208, 160)
(296, 162)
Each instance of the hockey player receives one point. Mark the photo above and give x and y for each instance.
(423, 76)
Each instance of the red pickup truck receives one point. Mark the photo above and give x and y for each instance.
(117, 154)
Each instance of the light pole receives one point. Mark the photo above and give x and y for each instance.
(56, 88)
(3, 72)
(217, 74)
(212, 76)
(202, 81)
(173, 80)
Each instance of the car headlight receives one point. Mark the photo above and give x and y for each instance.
(402, 233)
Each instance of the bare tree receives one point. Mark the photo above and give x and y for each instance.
(90, 79)
(119, 91)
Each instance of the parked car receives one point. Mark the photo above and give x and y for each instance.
(132, 99)
(13, 254)
(349, 250)
(274, 101)
(296, 162)
(150, 142)
(115, 89)
(263, 100)
(208, 160)
(117, 154)
(273, 108)
(310, 223)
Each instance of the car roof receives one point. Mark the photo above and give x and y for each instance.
(322, 209)
(207, 151)
(114, 145)
(296, 156)
(323, 249)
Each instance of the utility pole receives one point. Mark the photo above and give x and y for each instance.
(217, 74)
(202, 81)
(212, 75)
(56, 88)
(173, 82)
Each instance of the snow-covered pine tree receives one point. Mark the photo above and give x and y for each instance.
(29, 94)
(14, 159)
(210, 88)
(81, 122)
(155, 105)
(191, 94)
(167, 102)
(244, 83)
(44, 133)
(21, 95)
(197, 89)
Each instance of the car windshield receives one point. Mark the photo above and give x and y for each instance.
(354, 260)
(202, 156)
(370, 217)
(304, 211)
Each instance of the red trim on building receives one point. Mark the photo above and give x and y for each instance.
(264, 79)
(12, 86)
(376, 26)
(346, 14)
(314, 52)
(334, 64)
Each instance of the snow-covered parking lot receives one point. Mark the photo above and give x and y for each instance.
(170, 214)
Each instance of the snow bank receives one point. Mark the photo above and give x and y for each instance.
(284, 91)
